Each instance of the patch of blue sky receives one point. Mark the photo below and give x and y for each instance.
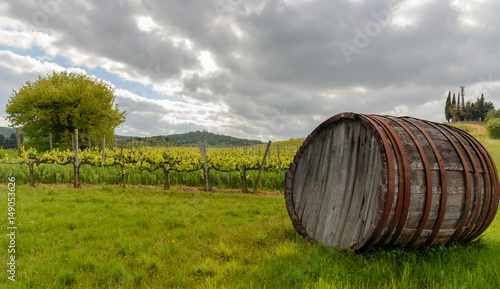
(146, 91)
(142, 90)
(35, 52)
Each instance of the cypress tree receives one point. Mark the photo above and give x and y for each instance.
(454, 109)
(447, 111)
(459, 108)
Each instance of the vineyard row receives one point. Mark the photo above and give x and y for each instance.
(180, 159)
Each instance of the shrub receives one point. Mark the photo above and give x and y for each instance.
(493, 114)
(494, 128)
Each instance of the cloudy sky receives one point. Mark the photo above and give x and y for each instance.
(268, 70)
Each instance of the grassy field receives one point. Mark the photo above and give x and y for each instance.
(478, 130)
(111, 237)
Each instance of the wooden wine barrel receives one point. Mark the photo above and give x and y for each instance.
(362, 181)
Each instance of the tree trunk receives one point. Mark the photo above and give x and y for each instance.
(32, 174)
(166, 182)
(76, 163)
(244, 181)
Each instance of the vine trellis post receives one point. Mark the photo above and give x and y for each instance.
(76, 163)
(262, 167)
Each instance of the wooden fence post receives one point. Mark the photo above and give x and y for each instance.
(50, 141)
(243, 175)
(76, 164)
(122, 166)
(279, 161)
(103, 148)
(32, 174)
(18, 140)
(262, 167)
(205, 165)
(166, 182)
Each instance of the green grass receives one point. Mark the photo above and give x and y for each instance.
(110, 237)
(463, 127)
(478, 131)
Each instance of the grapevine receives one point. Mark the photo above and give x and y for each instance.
(180, 159)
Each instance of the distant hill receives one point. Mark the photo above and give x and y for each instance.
(6, 142)
(7, 131)
(195, 138)
(192, 138)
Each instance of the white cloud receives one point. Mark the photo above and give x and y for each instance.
(19, 64)
(4, 121)
(207, 62)
(236, 30)
(14, 33)
(164, 114)
(146, 23)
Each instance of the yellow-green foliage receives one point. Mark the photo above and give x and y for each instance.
(494, 128)
(61, 102)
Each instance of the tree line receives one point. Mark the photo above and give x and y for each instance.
(193, 139)
(456, 110)
(9, 142)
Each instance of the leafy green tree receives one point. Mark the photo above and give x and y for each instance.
(493, 128)
(469, 112)
(60, 103)
(483, 107)
(493, 114)
(488, 107)
(455, 109)
(447, 107)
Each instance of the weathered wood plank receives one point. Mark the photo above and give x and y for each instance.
(324, 195)
(339, 179)
(372, 188)
(365, 169)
